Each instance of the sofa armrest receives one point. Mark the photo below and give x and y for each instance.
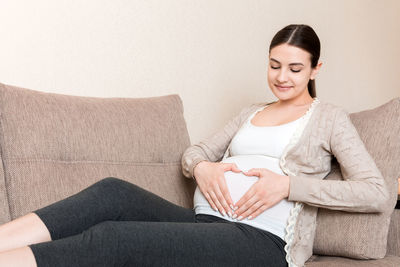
(393, 247)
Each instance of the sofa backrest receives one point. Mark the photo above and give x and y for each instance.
(54, 145)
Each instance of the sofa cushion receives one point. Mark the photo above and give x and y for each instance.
(54, 145)
(325, 261)
(393, 247)
(363, 235)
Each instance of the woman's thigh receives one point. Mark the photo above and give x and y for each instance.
(110, 199)
(125, 243)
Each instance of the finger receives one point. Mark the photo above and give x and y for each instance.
(231, 167)
(245, 197)
(222, 200)
(209, 199)
(241, 212)
(235, 168)
(252, 209)
(217, 203)
(260, 210)
(252, 173)
(227, 197)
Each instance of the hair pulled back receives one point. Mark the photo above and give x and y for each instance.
(304, 37)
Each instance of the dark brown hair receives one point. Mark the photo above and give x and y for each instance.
(304, 37)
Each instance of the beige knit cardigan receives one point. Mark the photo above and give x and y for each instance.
(324, 132)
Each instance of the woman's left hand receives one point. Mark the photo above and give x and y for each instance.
(266, 192)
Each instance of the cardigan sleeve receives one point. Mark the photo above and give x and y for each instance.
(214, 147)
(363, 188)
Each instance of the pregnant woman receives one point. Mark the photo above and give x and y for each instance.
(260, 181)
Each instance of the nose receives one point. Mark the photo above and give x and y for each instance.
(282, 76)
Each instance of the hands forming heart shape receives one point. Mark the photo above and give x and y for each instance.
(269, 189)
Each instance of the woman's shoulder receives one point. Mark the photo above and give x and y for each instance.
(254, 107)
(258, 105)
(328, 108)
(329, 113)
(330, 104)
(250, 109)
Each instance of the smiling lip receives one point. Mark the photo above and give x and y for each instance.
(283, 87)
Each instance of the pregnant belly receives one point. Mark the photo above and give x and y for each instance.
(238, 183)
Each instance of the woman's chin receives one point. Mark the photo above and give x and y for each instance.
(283, 96)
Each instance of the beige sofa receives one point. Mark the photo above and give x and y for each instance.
(54, 145)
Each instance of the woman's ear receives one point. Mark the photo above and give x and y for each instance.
(315, 70)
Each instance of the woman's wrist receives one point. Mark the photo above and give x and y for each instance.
(195, 167)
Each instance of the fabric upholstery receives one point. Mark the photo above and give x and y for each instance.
(363, 235)
(393, 247)
(54, 145)
(325, 261)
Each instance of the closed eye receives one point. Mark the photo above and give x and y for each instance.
(275, 68)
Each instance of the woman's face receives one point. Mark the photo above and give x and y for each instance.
(289, 71)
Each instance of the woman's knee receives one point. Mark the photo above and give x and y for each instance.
(106, 190)
(115, 190)
(104, 236)
(110, 183)
(101, 232)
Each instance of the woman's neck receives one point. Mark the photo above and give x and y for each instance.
(295, 103)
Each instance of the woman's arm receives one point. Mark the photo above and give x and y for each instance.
(213, 148)
(363, 188)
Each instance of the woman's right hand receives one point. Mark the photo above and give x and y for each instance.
(210, 177)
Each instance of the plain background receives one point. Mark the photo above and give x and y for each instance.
(213, 53)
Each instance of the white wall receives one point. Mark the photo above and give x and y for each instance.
(211, 52)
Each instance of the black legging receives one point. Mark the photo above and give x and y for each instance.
(116, 223)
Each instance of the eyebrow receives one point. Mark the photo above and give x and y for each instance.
(291, 64)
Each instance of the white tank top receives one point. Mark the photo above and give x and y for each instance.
(255, 147)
